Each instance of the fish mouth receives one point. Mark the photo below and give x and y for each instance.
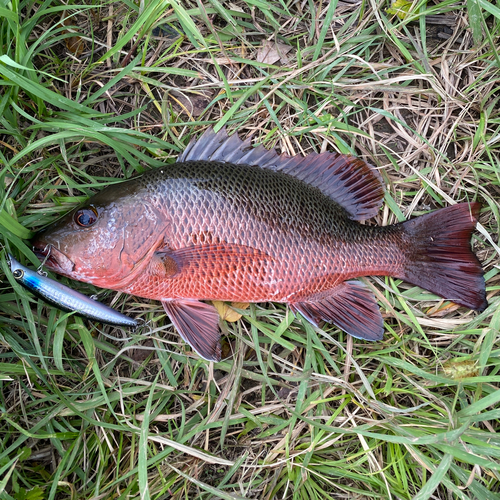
(53, 258)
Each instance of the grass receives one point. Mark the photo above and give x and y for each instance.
(90, 411)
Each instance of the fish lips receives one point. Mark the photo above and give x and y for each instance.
(54, 259)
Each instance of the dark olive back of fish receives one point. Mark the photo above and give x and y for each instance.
(224, 195)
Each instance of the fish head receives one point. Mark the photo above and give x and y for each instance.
(107, 241)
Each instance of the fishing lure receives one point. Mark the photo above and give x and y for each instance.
(65, 298)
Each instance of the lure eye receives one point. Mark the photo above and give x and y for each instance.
(18, 273)
(85, 217)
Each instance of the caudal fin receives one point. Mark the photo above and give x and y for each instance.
(440, 258)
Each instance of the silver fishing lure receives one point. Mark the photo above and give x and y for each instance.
(65, 298)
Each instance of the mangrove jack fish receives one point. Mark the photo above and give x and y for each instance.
(64, 297)
(230, 222)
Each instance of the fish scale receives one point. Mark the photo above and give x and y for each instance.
(234, 222)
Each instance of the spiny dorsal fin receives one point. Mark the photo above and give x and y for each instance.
(352, 183)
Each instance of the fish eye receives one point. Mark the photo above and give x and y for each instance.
(85, 217)
(18, 273)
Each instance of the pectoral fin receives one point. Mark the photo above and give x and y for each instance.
(351, 306)
(225, 267)
(198, 324)
(221, 255)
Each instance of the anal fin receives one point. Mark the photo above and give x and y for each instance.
(351, 306)
(198, 324)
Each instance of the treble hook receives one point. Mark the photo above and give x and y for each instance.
(40, 271)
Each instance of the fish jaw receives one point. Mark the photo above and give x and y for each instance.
(55, 255)
(54, 259)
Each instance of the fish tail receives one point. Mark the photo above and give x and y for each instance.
(440, 258)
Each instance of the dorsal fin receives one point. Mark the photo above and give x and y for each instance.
(352, 183)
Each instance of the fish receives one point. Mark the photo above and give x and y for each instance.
(65, 298)
(233, 222)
